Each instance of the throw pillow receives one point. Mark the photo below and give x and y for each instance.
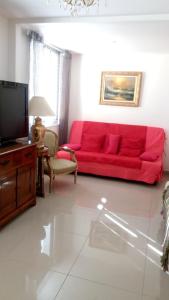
(131, 147)
(111, 144)
(149, 156)
(92, 142)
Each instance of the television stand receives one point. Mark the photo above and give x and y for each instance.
(17, 180)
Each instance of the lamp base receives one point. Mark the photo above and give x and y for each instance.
(38, 133)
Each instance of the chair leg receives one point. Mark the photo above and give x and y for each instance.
(75, 176)
(50, 182)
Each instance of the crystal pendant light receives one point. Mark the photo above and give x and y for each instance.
(75, 5)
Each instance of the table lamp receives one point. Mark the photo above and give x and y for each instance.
(38, 106)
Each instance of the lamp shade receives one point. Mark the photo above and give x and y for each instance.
(38, 106)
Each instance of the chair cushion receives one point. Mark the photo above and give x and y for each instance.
(61, 166)
(92, 142)
(111, 143)
(63, 154)
(131, 147)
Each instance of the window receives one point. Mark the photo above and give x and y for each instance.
(50, 78)
(44, 76)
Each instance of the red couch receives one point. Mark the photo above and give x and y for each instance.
(117, 150)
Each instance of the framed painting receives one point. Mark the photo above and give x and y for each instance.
(120, 88)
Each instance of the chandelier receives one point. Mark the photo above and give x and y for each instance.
(76, 5)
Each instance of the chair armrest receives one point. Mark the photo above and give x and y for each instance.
(65, 148)
(72, 152)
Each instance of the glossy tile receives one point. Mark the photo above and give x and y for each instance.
(155, 281)
(50, 285)
(109, 257)
(139, 223)
(76, 288)
(47, 246)
(12, 234)
(20, 281)
(148, 298)
(132, 204)
(98, 239)
(77, 220)
(156, 228)
(82, 194)
(127, 229)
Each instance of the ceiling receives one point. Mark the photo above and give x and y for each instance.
(51, 8)
(138, 25)
(107, 37)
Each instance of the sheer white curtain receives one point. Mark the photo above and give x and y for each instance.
(49, 78)
(65, 65)
(44, 76)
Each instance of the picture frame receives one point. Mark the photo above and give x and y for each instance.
(120, 88)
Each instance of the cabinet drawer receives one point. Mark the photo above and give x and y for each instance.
(28, 155)
(6, 163)
(17, 159)
(7, 193)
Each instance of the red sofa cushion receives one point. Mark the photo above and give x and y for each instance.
(111, 144)
(149, 156)
(131, 147)
(123, 161)
(92, 142)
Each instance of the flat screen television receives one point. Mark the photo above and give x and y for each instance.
(13, 111)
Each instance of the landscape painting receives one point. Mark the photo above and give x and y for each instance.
(120, 88)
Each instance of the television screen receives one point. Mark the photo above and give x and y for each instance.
(13, 111)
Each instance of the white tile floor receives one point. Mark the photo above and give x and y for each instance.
(94, 240)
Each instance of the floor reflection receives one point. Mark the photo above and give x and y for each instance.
(112, 233)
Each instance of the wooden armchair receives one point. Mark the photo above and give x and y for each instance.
(56, 166)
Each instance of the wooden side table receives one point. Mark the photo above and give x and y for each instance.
(41, 153)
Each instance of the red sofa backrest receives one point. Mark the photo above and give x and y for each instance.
(153, 136)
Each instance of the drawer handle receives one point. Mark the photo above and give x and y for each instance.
(4, 162)
(28, 154)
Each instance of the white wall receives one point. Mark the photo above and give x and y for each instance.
(21, 56)
(14, 52)
(3, 48)
(154, 101)
(18, 69)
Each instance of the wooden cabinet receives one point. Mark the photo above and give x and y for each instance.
(7, 194)
(17, 180)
